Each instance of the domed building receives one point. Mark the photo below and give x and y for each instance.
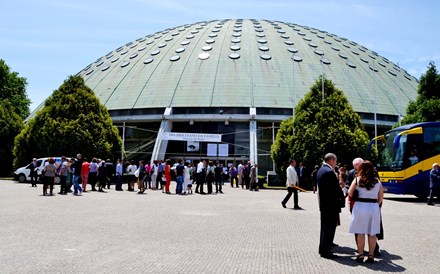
(218, 89)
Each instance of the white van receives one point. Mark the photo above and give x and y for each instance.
(22, 174)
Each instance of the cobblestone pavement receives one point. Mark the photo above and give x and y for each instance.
(236, 232)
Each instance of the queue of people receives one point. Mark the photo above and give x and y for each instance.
(157, 175)
(334, 185)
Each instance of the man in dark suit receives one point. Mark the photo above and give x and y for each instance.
(302, 175)
(110, 171)
(33, 174)
(330, 195)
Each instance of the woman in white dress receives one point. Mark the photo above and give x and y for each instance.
(365, 218)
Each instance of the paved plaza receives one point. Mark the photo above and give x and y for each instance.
(236, 232)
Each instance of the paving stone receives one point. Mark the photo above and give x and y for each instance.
(236, 232)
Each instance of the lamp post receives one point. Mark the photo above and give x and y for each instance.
(375, 104)
(348, 79)
(398, 85)
(123, 142)
(322, 77)
(293, 88)
(273, 141)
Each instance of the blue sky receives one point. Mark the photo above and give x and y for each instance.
(45, 41)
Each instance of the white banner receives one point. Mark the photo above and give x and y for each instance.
(195, 137)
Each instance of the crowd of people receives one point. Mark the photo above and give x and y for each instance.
(334, 184)
(78, 172)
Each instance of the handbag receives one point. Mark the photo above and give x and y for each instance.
(136, 173)
(355, 195)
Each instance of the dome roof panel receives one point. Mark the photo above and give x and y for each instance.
(250, 57)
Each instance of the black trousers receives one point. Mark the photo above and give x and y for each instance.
(329, 221)
(93, 178)
(200, 182)
(209, 181)
(246, 181)
(291, 190)
(34, 178)
(63, 184)
(118, 182)
(159, 180)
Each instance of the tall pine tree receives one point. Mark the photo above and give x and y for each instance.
(321, 127)
(72, 121)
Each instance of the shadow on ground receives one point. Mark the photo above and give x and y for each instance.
(384, 263)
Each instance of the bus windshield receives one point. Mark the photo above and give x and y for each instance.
(390, 156)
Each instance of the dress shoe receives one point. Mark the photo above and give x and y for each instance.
(283, 204)
(334, 245)
(297, 207)
(431, 204)
(329, 256)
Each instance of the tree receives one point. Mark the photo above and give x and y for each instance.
(13, 88)
(72, 121)
(321, 127)
(10, 125)
(426, 108)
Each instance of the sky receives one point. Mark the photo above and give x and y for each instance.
(45, 41)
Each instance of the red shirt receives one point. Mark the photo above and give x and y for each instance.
(85, 168)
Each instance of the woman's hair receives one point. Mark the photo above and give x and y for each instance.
(367, 175)
(51, 160)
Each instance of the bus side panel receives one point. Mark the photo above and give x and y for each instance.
(413, 180)
(392, 181)
(418, 184)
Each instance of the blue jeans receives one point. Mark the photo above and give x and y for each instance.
(179, 181)
(76, 185)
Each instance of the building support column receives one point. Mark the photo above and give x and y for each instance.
(160, 147)
(253, 152)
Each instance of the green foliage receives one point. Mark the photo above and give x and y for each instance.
(72, 121)
(280, 150)
(321, 127)
(426, 108)
(13, 88)
(10, 125)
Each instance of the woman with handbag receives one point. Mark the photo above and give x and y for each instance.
(50, 172)
(365, 218)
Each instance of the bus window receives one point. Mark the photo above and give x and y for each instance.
(400, 151)
(432, 141)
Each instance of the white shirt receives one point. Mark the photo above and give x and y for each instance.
(200, 167)
(292, 177)
(155, 169)
(131, 169)
(240, 168)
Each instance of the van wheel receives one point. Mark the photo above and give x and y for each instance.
(22, 178)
